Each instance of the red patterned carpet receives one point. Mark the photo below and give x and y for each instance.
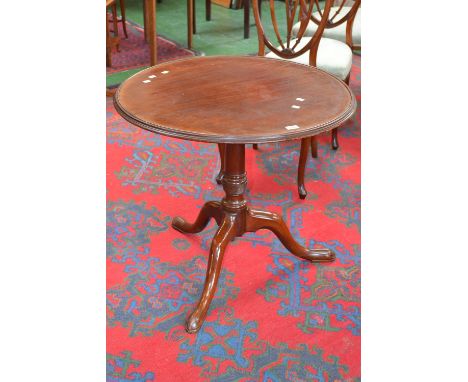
(274, 317)
(134, 51)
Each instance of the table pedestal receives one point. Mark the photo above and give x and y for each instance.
(234, 218)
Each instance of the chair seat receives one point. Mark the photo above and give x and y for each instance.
(333, 56)
(337, 33)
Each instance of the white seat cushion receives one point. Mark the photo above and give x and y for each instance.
(337, 33)
(333, 56)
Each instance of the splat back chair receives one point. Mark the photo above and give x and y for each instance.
(333, 56)
(344, 24)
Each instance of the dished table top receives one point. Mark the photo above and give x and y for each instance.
(232, 99)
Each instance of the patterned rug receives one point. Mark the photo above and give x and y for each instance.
(134, 50)
(274, 317)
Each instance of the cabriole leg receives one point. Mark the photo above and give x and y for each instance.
(208, 211)
(313, 147)
(256, 220)
(301, 168)
(335, 144)
(224, 235)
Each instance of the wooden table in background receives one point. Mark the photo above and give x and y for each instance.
(233, 101)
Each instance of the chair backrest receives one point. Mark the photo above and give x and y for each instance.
(330, 15)
(290, 47)
(343, 11)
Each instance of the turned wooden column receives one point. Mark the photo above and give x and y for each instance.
(234, 183)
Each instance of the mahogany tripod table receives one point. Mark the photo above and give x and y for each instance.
(234, 101)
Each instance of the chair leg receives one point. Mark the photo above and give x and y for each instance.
(145, 22)
(108, 43)
(246, 18)
(335, 144)
(189, 23)
(110, 92)
(108, 59)
(114, 19)
(301, 168)
(194, 26)
(313, 146)
(334, 140)
(123, 18)
(208, 10)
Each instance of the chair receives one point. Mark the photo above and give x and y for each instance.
(122, 19)
(111, 41)
(342, 27)
(331, 55)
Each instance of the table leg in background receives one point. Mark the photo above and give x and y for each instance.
(151, 26)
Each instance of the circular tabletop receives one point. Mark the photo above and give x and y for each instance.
(232, 99)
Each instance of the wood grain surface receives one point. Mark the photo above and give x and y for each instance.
(232, 99)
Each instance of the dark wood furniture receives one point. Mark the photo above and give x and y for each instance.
(149, 21)
(191, 20)
(149, 25)
(149, 17)
(300, 48)
(246, 5)
(344, 12)
(341, 24)
(235, 101)
(340, 13)
(122, 19)
(191, 17)
(112, 41)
